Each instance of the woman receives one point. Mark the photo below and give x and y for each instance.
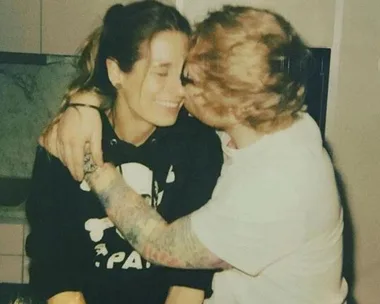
(274, 222)
(134, 61)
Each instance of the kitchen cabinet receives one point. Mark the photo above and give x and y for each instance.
(20, 26)
(65, 24)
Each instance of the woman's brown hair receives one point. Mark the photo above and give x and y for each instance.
(124, 30)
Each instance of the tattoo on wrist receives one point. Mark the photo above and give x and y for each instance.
(89, 166)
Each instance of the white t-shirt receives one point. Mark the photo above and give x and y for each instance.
(275, 217)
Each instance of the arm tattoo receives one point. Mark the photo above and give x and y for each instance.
(173, 245)
(89, 165)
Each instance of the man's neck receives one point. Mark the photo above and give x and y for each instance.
(242, 136)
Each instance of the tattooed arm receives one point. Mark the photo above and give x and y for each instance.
(172, 245)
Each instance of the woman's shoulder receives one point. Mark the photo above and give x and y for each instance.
(49, 170)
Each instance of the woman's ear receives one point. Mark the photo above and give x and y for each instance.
(114, 72)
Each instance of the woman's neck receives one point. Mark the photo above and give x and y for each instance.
(128, 125)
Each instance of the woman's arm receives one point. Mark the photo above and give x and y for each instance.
(184, 295)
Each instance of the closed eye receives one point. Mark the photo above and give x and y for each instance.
(162, 70)
(185, 80)
(162, 74)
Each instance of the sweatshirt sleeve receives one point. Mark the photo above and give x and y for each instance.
(205, 159)
(55, 264)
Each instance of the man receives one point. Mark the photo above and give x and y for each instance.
(274, 222)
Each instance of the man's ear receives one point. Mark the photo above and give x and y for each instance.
(114, 72)
(243, 111)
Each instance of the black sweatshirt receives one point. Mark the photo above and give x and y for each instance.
(73, 246)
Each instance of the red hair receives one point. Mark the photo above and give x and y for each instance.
(239, 55)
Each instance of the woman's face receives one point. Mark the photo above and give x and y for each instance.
(152, 91)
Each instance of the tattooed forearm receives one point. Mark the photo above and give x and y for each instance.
(177, 246)
(89, 166)
(172, 245)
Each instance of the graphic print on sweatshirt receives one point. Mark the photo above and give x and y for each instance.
(108, 241)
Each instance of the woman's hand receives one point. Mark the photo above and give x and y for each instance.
(74, 131)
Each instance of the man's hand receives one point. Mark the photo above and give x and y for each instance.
(74, 131)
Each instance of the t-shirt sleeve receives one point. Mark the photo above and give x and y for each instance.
(54, 262)
(252, 220)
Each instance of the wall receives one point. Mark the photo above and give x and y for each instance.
(29, 96)
(304, 15)
(353, 131)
